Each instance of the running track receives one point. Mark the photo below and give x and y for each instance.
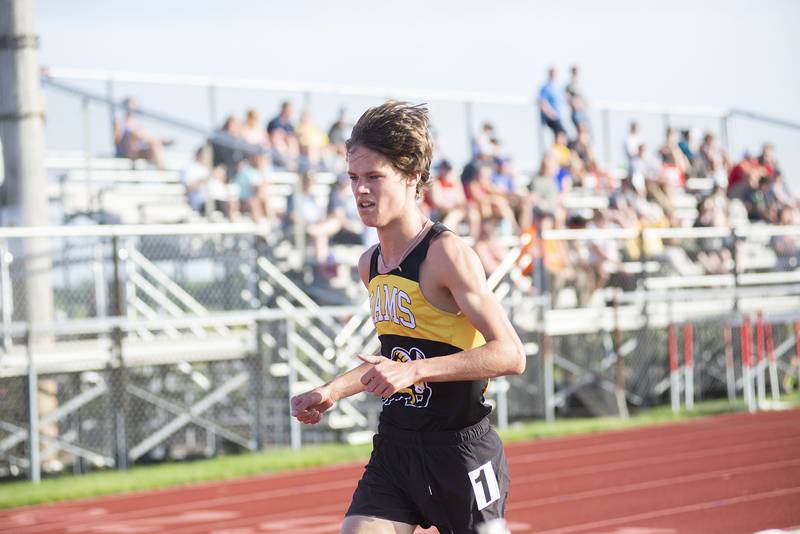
(728, 474)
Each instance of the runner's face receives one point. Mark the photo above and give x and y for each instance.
(382, 193)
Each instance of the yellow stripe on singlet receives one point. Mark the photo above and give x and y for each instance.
(399, 308)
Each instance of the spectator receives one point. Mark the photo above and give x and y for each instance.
(743, 174)
(445, 197)
(338, 134)
(312, 142)
(759, 200)
(633, 141)
(768, 162)
(551, 103)
(227, 146)
(133, 141)
(482, 144)
(712, 252)
(643, 169)
(577, 101)
(253, 188)
(283, 139)
(544, 185)
(223, 197)
(674, 163)
(252, 132)
(688, 145)
(561, 149)
(342, 211)
(506, 184)
(786, 246)
(195, 178)
(582, 148)
(304, 208)
(712, 160)
(604, 254)
(489, 248)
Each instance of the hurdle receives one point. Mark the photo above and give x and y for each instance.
(730, 372)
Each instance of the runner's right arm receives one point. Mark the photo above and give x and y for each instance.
(308, 407)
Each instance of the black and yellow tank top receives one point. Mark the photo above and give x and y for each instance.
(411, 328)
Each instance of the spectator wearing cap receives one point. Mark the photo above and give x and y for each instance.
(283, 139)
(551, 103)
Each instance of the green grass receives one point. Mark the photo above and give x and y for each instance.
(140, 478)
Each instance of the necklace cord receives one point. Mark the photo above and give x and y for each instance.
(411, 244)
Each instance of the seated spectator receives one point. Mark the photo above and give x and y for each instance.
(759, 200)
(223, 197)
(643, 168)
(577, 101)
(133, 141)
(505, 181)
(253, 188)
(743, 174)
(195, 178)
(768, 162)
(339, 133)
(252, 132)
(227, 146)
(482, 144)
(712, 161)
(489, 248)
(484, 200)
(712, 253)
(551, 103)
(544, 185)
(445, 197)
(674, 164)
(282, 138)
(561, 149)
(604, 254)
(688, 146)
(342, 210)
(787, 247)
(582, 148)
(305, 209)
(312, 142)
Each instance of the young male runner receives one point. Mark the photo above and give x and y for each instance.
(435, 459)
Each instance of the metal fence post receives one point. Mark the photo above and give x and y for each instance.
(501, 384)
(607, 136)
(6, 292)
(549, 388)
(87, 151)
(212, 106)
(619, 390)
(294, 424)
(257, 387)
(35, 471)
(118, 392)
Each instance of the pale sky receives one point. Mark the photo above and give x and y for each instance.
(714, 53)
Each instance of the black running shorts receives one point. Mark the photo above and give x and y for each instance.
(452, 480)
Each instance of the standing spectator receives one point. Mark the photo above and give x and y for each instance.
(283, 139)
(252, 131)
(551, 103)
(577, 101)
(633, 141)
(133, 141)
(195, 178)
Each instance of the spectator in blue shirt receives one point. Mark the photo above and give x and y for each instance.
(551, 103)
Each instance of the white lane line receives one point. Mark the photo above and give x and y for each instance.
(672, 511)
(649, 484)
(661, 459)
(639, 444)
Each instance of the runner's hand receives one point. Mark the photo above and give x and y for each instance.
(386, 377)
(308, 407)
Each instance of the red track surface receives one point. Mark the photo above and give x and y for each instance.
(728, 474)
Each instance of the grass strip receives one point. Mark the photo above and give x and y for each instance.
(172, 474)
